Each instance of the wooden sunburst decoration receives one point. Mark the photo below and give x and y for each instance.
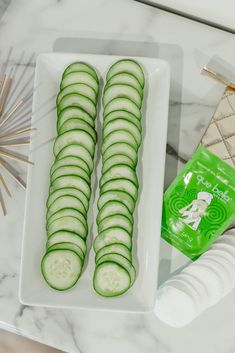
(16, 91)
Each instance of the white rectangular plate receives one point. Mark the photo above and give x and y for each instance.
(141, 297)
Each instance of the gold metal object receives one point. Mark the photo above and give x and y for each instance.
(218, 77)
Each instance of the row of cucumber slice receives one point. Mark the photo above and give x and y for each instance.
(122, 135)
(70, 175)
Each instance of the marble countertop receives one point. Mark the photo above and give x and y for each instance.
(43, 26)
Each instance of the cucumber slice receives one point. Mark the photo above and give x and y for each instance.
(112, 236)
(68, 212)
(122, 104)
(114, 208)
(68, 223)
(70, 160)
(125, 79)
(113, 221)
(68, 246)
(121, 185)
(120, 91)
(122, 261)
(122, 114)
(74, 112)
(77, 151)
(69, 170)
(74, 137)
(72, 181)
(66, 237)
(111, 279)
(77, 100)
(79, 88)
(128, 66)
(124, 125)
(119, 136)
(121, 148)
(114, 249)
(81, 66)
(79, 77)
(61, 268)
(78, 124)
(119, 171)
(117, 159)
(66, 202)
(117, 195)
(67, 192)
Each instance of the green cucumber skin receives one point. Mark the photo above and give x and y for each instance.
(83, 67)
(45, 275)
(110, 72)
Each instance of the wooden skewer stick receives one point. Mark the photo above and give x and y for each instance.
(14, 143)
(3, 204)
(15, 107)
(5, 93)
(15, 156)
(5, 185)
(17, 133)
(13, 173)
(2, 81)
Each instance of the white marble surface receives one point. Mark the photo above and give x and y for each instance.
(35, 26)
(220, 12)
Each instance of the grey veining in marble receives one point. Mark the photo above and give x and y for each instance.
(37, 26)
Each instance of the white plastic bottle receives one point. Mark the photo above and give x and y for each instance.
(199, 285)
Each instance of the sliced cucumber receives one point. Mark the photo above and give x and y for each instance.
(69, 170)
(122, 114)
(119, 171)
(68, 161)
(112, 236)
(116, 221)
(122, 104)
(66, 202)
(114, 208)
(67, 192)
(81, 66)
(68, 212)
(66, 237)
(117, 159)
(72, 181)
(121, 148)
(79, 77)
(77, 100)
(128, 66)
(68, 246)
(74, 137)
(122, 125)
(74, 112)
(121, 185)
(111, 279)
(78, 124)
(77, 151)
(61, 268)
(114, 249)
(126, 79)
(119, 136)
(117, 195)
(67, 223)
(79, 88)
(122, 261)
(120, 91)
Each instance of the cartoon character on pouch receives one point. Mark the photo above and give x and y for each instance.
(192, 213)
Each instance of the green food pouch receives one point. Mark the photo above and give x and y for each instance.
(200, 204)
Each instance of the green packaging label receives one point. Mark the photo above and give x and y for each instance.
(200, 204)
